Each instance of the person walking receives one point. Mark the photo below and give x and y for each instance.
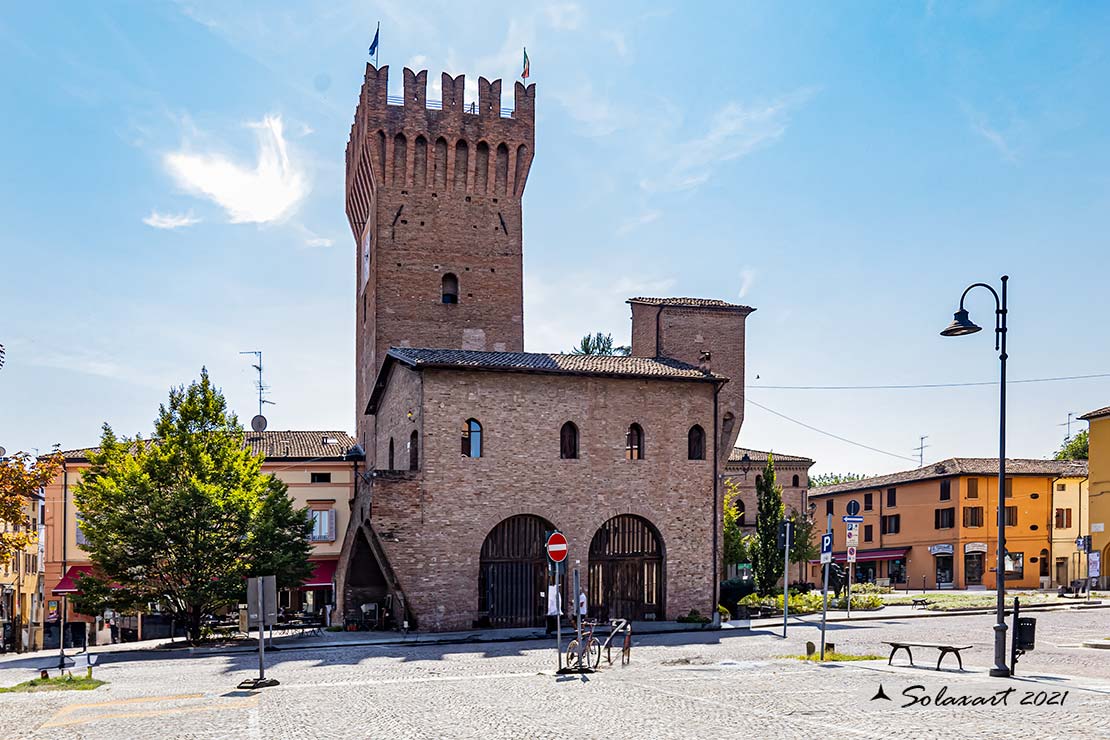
(581, 605)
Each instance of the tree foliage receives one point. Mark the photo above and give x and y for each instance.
(182, 519)
(735, 548)
(767, 560)
(806, 546)
(21, 477)
(1074, 448)
(599, 344)
(831, 479)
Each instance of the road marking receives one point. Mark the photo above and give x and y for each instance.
(136, 700)
(415, 679)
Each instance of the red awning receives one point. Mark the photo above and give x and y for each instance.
(863, 556)
(68, 584)
(323, 574)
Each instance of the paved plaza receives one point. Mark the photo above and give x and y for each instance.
(678, 685)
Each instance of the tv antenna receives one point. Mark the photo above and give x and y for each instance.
(258, 423)
(920, 450)
(1068, 425)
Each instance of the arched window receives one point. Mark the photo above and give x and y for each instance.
(568, 441)
(758, 481)
(634, 443)
(695, 443)
(390, 467)
(414, 450)
(472, 438)
(1044, 563)
(740, 511)
(450, 288)
(795, 481)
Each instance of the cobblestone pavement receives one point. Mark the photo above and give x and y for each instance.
(685, 685)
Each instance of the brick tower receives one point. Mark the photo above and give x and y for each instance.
(433, 196)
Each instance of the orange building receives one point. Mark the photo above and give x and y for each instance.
(935, 526)
(318, 467)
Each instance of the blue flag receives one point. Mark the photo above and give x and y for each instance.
(374, 43)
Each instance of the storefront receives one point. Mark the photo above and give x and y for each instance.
(943, 564)
(975, 555)
(316, 596)
(886, 566)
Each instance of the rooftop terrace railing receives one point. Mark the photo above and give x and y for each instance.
(471, 108)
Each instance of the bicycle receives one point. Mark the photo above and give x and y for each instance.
(587, 654)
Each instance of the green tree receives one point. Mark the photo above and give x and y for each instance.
(831, 479)
(182, 519)
(767, 559)
(599, 344)
(734, 550)
(21, 477)
(806, 545)
(1074, 448)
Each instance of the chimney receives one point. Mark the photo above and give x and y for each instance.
(704, 363)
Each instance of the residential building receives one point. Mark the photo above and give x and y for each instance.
(319, 467)
(478, 449)
(936, 526)
(1098, 513)
(21, 579)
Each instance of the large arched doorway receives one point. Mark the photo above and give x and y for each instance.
(626, 570)
(512, 573)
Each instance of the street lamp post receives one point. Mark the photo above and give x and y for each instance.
(961, 325)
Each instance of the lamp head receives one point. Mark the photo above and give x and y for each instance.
(961, 325)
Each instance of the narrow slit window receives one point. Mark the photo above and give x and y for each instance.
(472, 438)
(450, 288)
(695, 443)
(568, 441)
(634, 443)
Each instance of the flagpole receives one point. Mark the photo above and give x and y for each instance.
(378, 48)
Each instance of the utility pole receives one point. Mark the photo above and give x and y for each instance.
(1068, 425)
(920, 450)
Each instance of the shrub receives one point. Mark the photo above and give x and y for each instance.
(694, 617)
(725, 614)
(801, 587)
(861, 601)
(871, 588)
(735, 589)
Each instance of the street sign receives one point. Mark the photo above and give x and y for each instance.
(852, 508)
(853, 534)
(1080, 542)
(557, 547)
(269, 598)
(826, 548)
(786, 534)
(1094, 565)
(851, 554)
(852, 519)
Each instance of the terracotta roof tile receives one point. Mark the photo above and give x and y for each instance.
(984, 466)
(690, 303)
(1096, 414)
(760, 456)
(276, 445)
(542, 362)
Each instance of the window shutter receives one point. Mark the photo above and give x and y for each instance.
(331, 525)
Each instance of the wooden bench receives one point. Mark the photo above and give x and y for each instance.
(920, 601)
(944, 650)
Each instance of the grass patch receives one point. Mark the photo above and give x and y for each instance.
(940, 601)
(836, 657)
(62, 683)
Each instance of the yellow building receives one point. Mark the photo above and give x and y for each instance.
(1099, 488)
(319, 467)
(936, 527)
(21, 580)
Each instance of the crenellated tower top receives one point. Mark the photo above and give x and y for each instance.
(446, 145)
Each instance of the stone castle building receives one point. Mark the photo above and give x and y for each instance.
(475, 449)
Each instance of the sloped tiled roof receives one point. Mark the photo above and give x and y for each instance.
(690, 303)
(542, 362)
(760, 456)
(276, 445)
(984, 466)
(1096, 414)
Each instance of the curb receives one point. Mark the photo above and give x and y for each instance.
(925, 614)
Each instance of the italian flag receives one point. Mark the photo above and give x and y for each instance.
(527, 71)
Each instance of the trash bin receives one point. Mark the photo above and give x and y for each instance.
(1026, 633)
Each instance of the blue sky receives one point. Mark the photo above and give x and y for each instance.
(174, 195)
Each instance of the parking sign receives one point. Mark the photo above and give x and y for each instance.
(826, 548)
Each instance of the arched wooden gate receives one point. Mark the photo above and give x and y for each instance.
(626, 570)
(512, 573)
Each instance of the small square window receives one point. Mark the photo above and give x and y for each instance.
(321, 478)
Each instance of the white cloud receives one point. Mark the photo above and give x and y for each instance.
(170, 220)
(594, 113)
(981, 126)
(747, 279)
(642, 219)
(265, 192)
(318, 241)
(564, 16)
(736, 130)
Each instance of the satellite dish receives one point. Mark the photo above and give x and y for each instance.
(258, 423)
(3, 452)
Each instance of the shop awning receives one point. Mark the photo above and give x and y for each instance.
(323, 574)
(863, 556)
(68, 584)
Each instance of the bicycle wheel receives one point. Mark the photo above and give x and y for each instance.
(572, 660)
(593, 653)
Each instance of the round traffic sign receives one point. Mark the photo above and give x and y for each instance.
(852, 508)
(557, 547)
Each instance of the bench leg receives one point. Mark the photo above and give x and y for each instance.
(890, 660)
(954, 652)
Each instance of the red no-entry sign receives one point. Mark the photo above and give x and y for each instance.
(557, 547)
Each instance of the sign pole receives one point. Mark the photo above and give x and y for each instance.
(557, 548)
(261, 631)
(789, 530)
(578, 617)
(558, 620)
(825, 589)
(851, 567)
